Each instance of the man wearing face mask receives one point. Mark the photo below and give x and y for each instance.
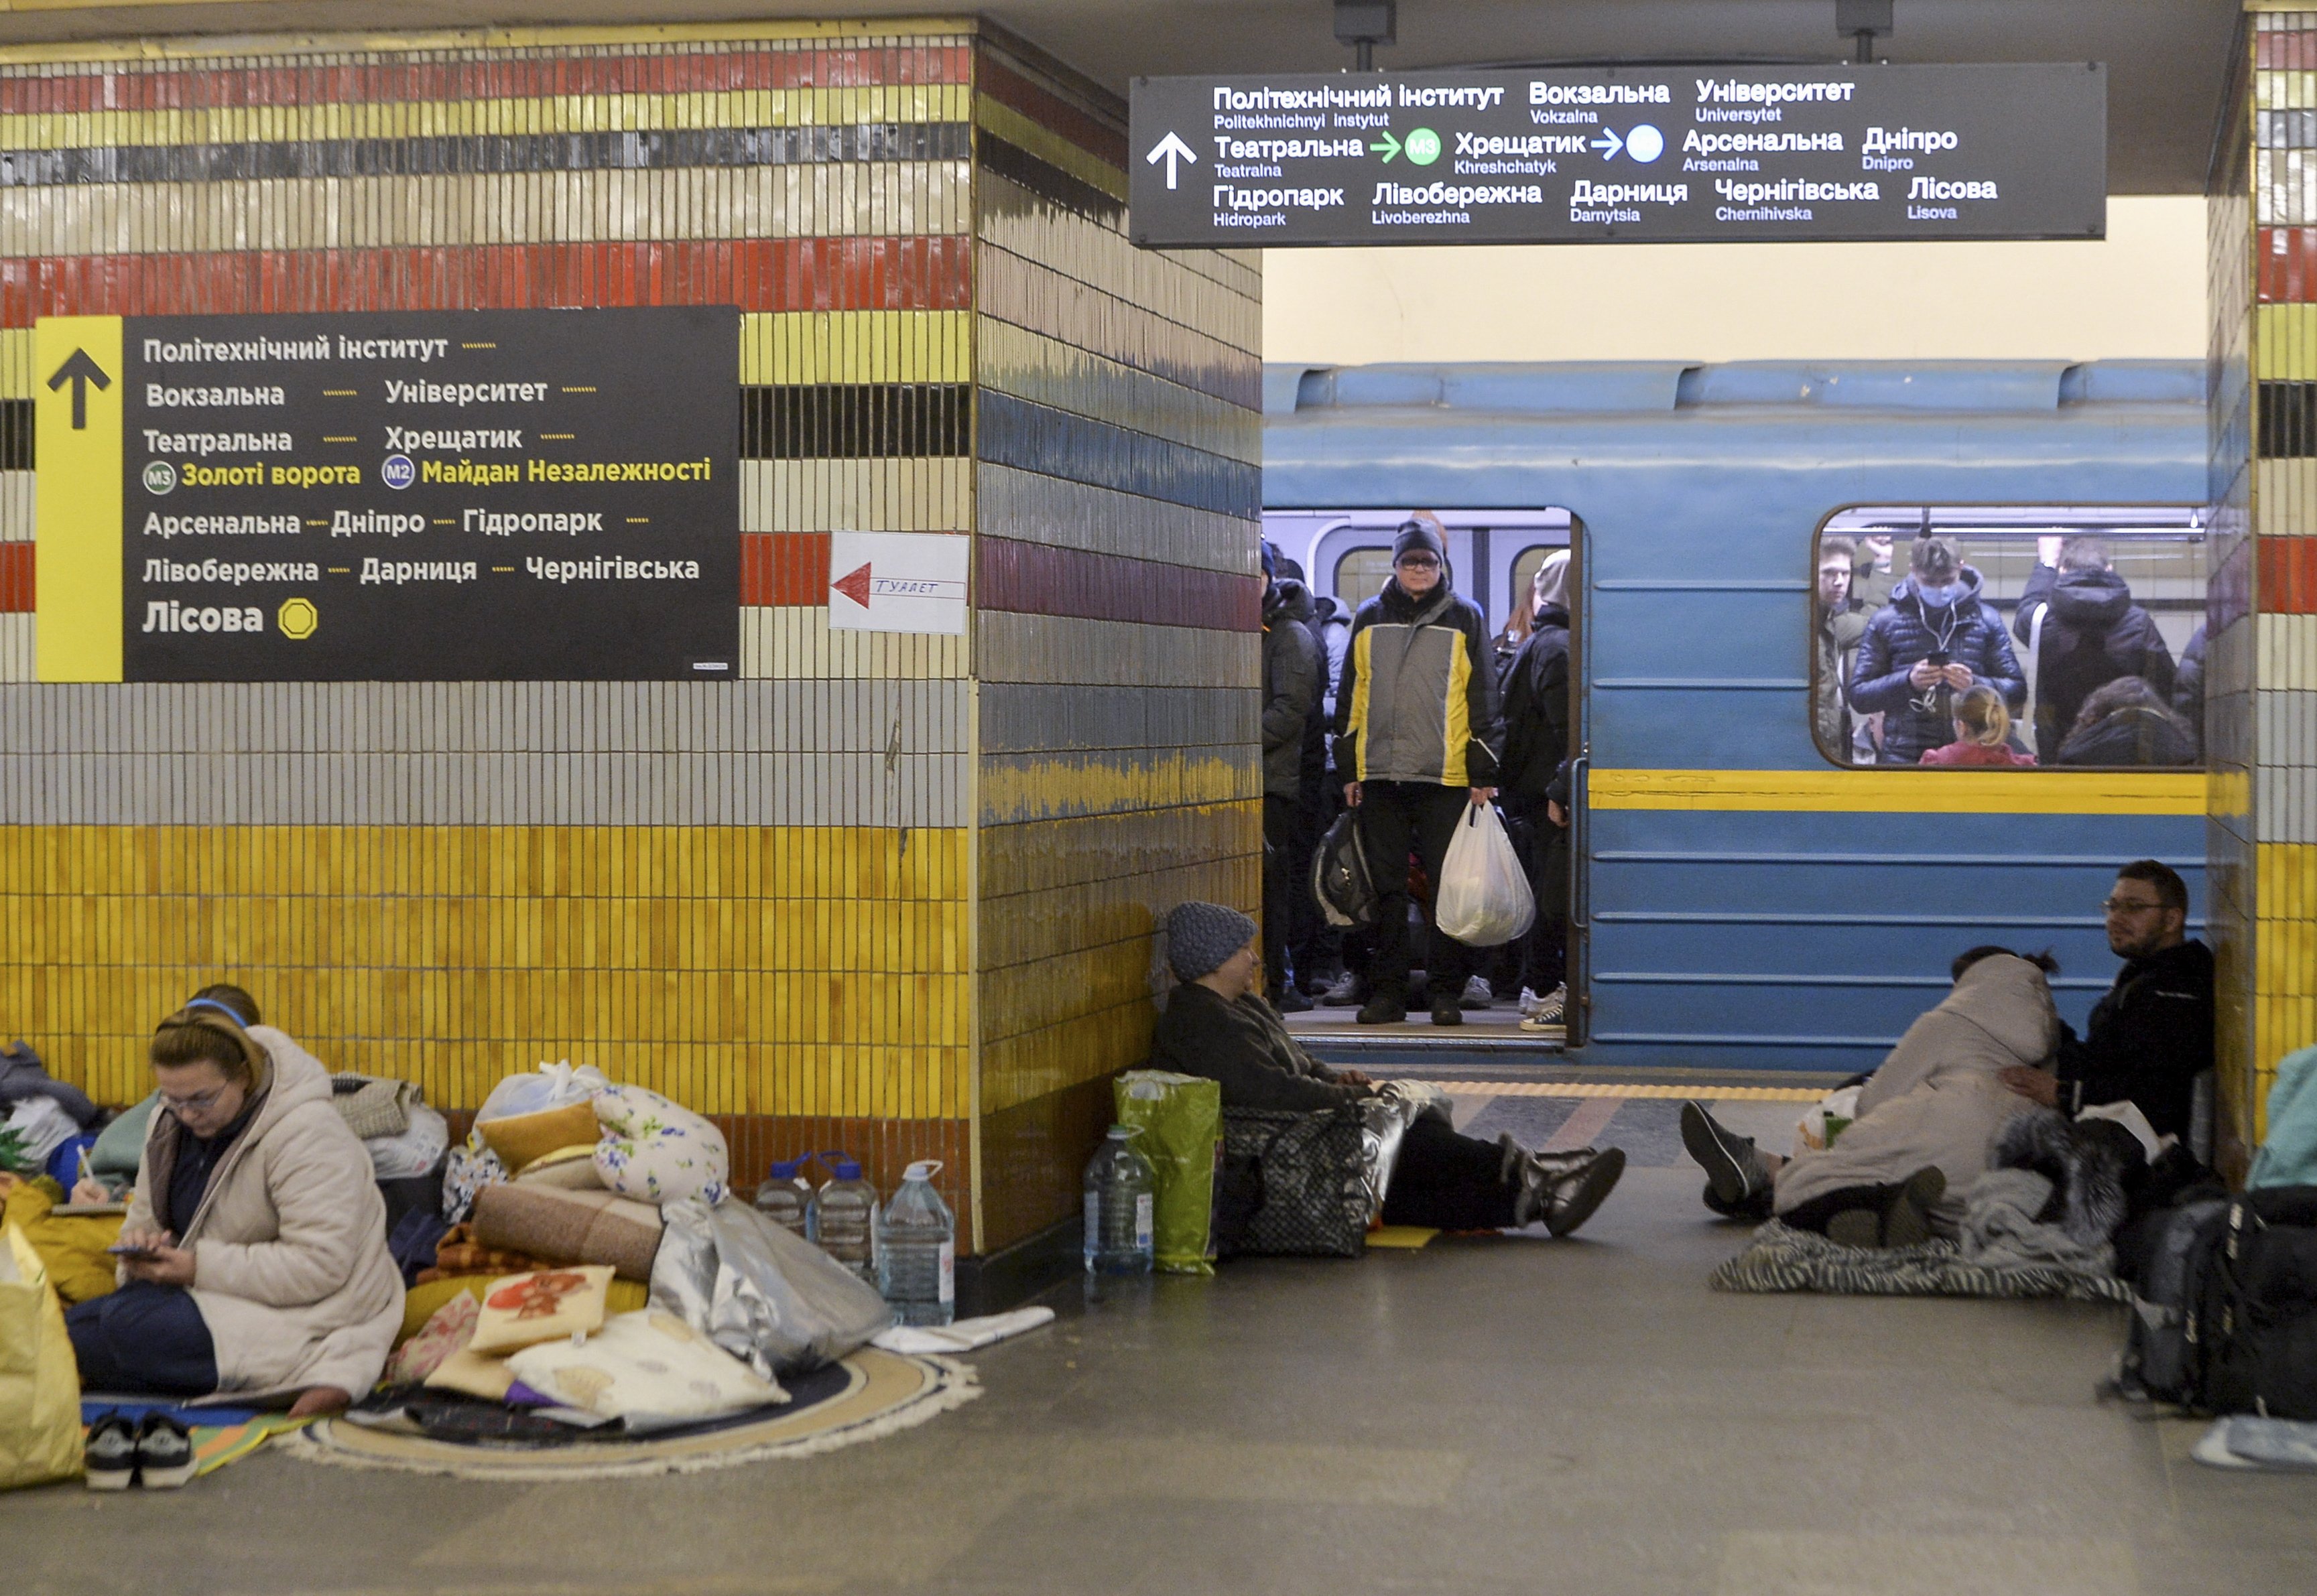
(1417, 738)
(1928, 646)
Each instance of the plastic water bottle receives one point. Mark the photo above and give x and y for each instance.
(1119, 1198)
(916, 1251)
(844, 1217)
(786, 1195)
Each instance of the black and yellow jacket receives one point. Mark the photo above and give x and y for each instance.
(1417, 701)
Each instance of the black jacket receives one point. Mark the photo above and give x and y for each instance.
(1243, 1045)
(2092, 634)
(2148, 1039)
(2188, 686)
(1294, 741)
(1902, 634)
(1536, 709)
(2134, 735)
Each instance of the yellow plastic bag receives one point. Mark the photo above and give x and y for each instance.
(40, 1383)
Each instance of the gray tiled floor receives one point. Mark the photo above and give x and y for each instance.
(1505, 1417)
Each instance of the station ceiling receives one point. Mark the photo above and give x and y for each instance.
(2167, 59)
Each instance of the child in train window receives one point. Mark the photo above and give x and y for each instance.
(1982, 728)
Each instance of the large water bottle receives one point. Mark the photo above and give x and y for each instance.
(1119, 1195)
(844, 1217)
(916, 1251)
(786, 1195)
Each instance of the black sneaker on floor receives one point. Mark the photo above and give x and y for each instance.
(110, 1461)
(1447, 1014)
(165, 1453)
(1291, 1002)
(1384, 1009)
(1731, 1165)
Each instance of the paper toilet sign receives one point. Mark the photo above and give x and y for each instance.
(898, 582)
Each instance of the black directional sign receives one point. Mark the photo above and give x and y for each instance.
(465, 495)
(1658, 154)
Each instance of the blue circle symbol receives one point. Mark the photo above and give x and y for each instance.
(398, 472)
(1645, 144)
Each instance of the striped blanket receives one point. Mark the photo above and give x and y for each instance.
(1782, 1260)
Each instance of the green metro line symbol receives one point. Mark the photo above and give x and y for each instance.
(1423, 147)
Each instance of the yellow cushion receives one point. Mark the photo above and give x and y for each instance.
(419, 1303)
(474, 1374)
(72, 1246)
(572, 1169)
(520, 1139)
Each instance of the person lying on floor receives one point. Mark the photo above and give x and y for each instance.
(1926, 1119)
(1218, 1026)
(259, 1265)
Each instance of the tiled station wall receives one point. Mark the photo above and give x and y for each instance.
(1118, 625)
(2261, 655)
(756, 895)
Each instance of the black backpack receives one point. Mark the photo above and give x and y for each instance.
(2256, 1319)
(2161, 1359)
(1340, 874)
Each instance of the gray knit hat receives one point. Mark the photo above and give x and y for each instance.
(1200, 936)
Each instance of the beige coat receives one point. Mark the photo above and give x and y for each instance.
(290, 1270)
(1936, 1100)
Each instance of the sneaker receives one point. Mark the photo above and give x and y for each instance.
(1291, 1002)
(1528, 1002)
(1384, 1009)
(109, 1463)
(1477, 993)
(1730, 1163)
(1537, 1025)
(165, 1453)
(1553, 1008)
(1447, 1014)
(1344, 994)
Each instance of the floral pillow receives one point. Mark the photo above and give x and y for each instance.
(658, 1151)
(545, 1305)
(649, 1365)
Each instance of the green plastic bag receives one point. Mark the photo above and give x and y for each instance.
(1181, 1121)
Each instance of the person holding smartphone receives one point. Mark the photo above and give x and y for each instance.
(252, 1257)
(1934, 641)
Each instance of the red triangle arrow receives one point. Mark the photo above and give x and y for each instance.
(854, 586)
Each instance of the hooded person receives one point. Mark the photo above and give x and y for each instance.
(1417, 739)
(1216, 1027)
(2087, 632)
(2124, 722)
(256, 1265)
(1929, 644)
(1295, 749)
(1924, 1124)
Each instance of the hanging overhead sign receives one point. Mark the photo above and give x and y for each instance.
(1688, 154)
(461, 495)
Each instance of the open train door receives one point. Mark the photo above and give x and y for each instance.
(1577, 1011)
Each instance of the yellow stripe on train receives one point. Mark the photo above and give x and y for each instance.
(1918, 791)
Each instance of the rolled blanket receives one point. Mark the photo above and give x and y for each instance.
(459, 1253)
(372, 1106)
(569, 1226)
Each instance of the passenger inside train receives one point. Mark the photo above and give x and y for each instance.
(1931, 642)
(2077, 616)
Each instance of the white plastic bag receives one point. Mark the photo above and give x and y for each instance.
(1840, 1106)
(1482, 900)
(549, 1086)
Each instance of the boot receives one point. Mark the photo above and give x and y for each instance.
(1555, 1164)
(1565, 1201)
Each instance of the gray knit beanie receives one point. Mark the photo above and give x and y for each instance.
(1200, 936)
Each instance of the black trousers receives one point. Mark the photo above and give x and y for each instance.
(1545, 851)
(144, 1338)
(1448, 1181)
(1397, 817)
(1280, 821)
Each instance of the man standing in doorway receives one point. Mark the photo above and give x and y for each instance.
(1417, 739)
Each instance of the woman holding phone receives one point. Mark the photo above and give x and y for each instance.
(254, 1258)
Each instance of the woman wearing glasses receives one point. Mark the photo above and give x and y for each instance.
(254, 1258)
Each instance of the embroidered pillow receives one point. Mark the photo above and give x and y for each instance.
(545, 1305)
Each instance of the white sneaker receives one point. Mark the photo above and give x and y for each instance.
(1476, 994)
(1528, 1002)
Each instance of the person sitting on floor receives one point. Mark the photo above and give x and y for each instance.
(260, 1265)
(1217, 1027)
(1926, 1119)
(121, 1146)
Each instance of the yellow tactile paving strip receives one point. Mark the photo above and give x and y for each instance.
(1600, 1088)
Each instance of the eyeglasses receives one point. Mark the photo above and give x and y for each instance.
(2129, 906)
(1421, 562)
(200, 1102)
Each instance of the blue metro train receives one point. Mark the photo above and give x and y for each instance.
(1746, 896)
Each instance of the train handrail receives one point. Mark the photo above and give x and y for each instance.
(1580, 906)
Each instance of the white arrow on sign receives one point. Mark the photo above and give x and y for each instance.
(1172, 149)
(1608, 144)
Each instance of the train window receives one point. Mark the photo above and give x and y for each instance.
(1525, 573)
(2010, 636)
(1361, 573)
